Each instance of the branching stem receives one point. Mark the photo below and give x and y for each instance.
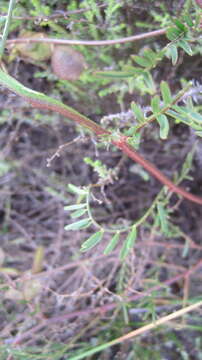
(41, 101)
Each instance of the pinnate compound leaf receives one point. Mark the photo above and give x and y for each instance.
(92, 241)
(164, 126)
(113, 242)
(84, 223)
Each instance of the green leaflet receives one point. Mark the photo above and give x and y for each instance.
(77, 190)
(128, 243)
(113, 242)
(74, 207)
(142, 61)
(162, 217)
(137, 112)
(78, 213)
(155, 104)
(174, 33)
(188, 20)
(92, 241)
(165, 91)
(84, 223)
(173, 53)
(180, 25)
(164, 126)
(185, 46)
(114, 74)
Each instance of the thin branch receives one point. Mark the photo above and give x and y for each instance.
(89, 42)
(41, 101)
(104, 308)
(58, 14)
(141, 330)
(6, 27)
(129, 150)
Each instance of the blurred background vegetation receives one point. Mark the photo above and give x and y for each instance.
(57, 302)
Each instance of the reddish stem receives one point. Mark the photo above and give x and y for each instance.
(89, 42)
(127, 149)
(121, 144)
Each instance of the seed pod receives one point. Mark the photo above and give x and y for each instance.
(67, 63)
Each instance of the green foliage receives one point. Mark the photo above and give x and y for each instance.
(128, 243)
(98, 167)
(159, 212)
(92, 241)
(129, 75)
(112, 243)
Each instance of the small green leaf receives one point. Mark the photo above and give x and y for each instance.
(124, 251)
(164, 126)
(165, 91)
(155, 104)
(130, 240)
(77, 190)
(79, 224)
(178, 116)
(142, 61)
(78, 213)
(180, 25)
(173, 53)
(74, 207)
(114, 74)
(196, 117)
(92, 241)
(173, 33)
(198, 133)
(149, 82)
(185, 46)
(162, 217)
(150, 55)
(113, 242)
(188, 20)
(138, 112)
(189, 113)
(128, 243)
